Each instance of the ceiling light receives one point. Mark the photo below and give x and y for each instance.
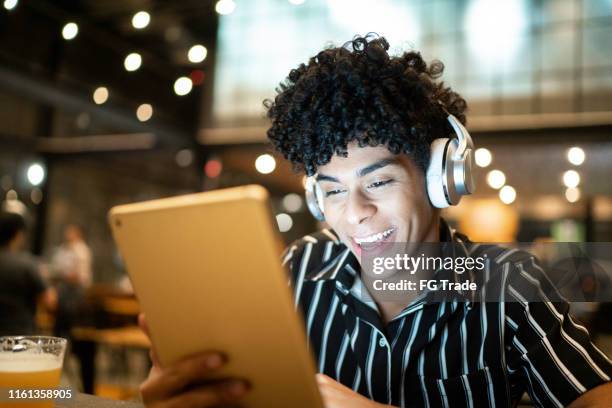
(197, 53)
(483, 157)
(183, 86)
(572, 194)
(70, 31)
(132, 62)
(36, 174)
(507, 194)
(144, 112)
(225, 7)
(571, 178)
(141, 20)
(265, 164)
(496, 179)
(575, 155)
(10, 4)
(284, 221)
(100, 95)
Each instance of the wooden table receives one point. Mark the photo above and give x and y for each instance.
(130, 336)
(91, 401)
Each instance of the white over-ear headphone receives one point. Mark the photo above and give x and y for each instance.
(449, 174)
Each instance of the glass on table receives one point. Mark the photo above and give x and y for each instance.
(28, 364)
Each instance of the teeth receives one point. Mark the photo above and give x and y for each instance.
(375, 237)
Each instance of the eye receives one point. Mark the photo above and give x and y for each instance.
(332, 192)
(377, 184)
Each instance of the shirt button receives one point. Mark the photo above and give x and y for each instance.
(382, 342)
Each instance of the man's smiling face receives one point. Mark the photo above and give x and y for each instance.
(373, 197)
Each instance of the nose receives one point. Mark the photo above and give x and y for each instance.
(359, 208)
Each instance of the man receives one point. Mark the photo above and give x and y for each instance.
(363, 123)
(71, 261)
(71, 265)
(21, 283)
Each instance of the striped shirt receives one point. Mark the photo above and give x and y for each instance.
(443, 354)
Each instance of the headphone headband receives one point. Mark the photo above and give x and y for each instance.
(465, 141)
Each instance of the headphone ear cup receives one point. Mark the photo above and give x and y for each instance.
(463, 174)
(436, 174)
(318, 192)
(451, 168)
(314, 198)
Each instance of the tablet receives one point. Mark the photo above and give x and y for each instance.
(207, 272)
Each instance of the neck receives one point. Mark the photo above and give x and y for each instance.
(433, 232)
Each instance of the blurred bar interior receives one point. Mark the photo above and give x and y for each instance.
(107, 102)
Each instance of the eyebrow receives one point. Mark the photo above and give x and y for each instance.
(361, 172)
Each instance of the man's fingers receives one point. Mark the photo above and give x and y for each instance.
(322, 378)
(209, 395)
(175, 378)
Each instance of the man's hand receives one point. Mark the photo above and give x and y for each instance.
(600, 396)
(336, 395)
(185, 384)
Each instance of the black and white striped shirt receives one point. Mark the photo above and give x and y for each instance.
(445, 354)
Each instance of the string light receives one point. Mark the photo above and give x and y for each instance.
(571, 178)
(576, 156)
(10, 4)
(284, 221)
(483, 157)
(100, 95)
(292, 202)
(141, 20)
(225, 7)
(144, 112)
(265, 164)
(70, 31)
(197, 53)
(35, 174)
(496, 179)
(183, 86)
(572, 194)
(132, 62)
(507, 194)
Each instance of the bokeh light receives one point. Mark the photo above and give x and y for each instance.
(571, 178)
(183, 86)
(141, 20)
(576, 156)
(265, 164)
(35, 174)
(496, 179)
(70, 31)
(100, 95)
(284, 221)
(132, 62)
(507, 194)
(483, 157)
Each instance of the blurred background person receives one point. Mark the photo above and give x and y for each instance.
(22, 285)
(72, 259)
(71, 267)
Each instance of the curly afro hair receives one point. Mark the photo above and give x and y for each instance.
(359, 92)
